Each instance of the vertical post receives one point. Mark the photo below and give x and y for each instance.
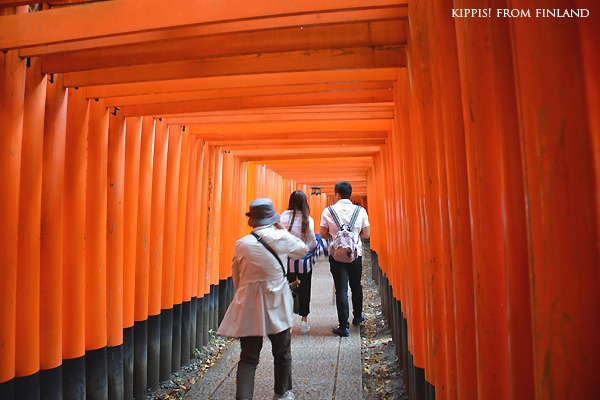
(170, 253)
(114, 255)
(562, 203)
(142, 265)
(190, 267)
(51, 247)
(95, 254)
(460, 282)
(74, 253)
(130, 223)
(28, 257)
(12, 87)
(180, 249)
(157, 263)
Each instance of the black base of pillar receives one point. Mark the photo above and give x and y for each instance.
(153, 351)
(166, 343)
(7, 390)
(140, 359)
(116, 389)
(96, 375)
(51, 384)
(27, 387)
(205, 318)
(193, 320)
(199, 323)
(222, 299)
(176, 357)
(186, 352)
(128, 334)
(73, 382)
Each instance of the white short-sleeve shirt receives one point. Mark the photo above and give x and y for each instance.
(344, 209)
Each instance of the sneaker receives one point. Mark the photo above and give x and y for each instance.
(304, 327)
(287, 396)
(343, 332)
(357, 321)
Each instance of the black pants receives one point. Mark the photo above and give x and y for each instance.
(282, 361)
(344, 274)
(303, 291)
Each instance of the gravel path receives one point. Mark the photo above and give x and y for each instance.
(382, 377)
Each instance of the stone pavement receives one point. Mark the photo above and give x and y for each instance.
(324, 366)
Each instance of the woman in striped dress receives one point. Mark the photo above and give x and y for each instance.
(297, 220)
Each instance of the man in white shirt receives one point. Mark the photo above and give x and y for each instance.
(346, 273)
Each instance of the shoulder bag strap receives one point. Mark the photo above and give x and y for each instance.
(270, 250)
(336, 219)
(354, 217)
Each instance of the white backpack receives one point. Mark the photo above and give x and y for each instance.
(344, 246)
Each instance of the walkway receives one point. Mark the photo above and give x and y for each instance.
(324, 366)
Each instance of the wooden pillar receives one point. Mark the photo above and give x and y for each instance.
(168, 189)
(562, 203)
(28, 258)
(95, 254)
(51, 246)
(12, 91)
(74, 205)
(159, 265)
(114, 255)
(181, 337)
(190, 266)
(142, 279)
(459, 282)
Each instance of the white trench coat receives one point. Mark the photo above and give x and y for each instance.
(263, 303)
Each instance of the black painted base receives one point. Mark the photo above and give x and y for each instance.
(166, 343)
(128, 362)
(176, 349)
(51, 384)
(27, 387)
(140, 359)
(73, 383)
(96, 375)
(153, 351)
(116, 390)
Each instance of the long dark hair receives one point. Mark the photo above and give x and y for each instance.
(297, 203)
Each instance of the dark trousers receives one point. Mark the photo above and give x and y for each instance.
(282, 355)
(303, 291)
(344, 274)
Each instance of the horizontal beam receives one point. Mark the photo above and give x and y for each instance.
(239, 137)
(295, 143)
(302, 99)
(241, 81)
(321, 60)
(297, 127)
(225, 93)
(109, 18)
(190, 32)
(274, 117)
(378, 33)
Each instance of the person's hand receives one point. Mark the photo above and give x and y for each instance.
(278, 226)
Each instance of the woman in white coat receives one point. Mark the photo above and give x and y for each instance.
(263, 304)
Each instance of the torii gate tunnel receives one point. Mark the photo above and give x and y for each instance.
(134, 134)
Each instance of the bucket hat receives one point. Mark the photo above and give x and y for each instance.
(262, 212)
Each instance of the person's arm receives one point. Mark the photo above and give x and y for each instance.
(365, 233)
(298, 248)
(311, 240)
(324, 232)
